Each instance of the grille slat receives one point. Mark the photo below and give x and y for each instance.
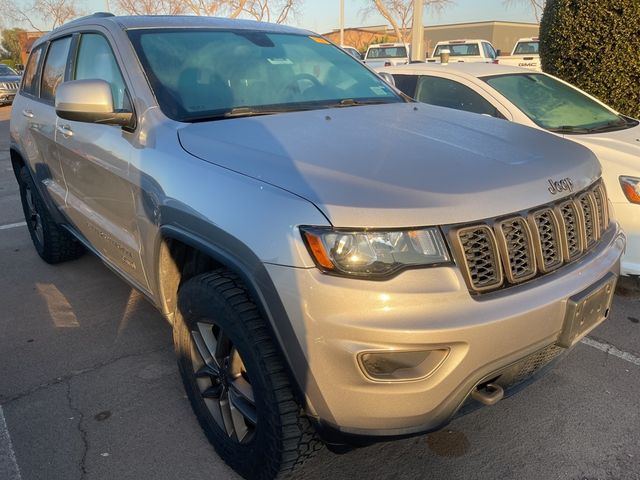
(9, 85)
(514, 238)
(547, 244)
(517, 249)
(481, 257)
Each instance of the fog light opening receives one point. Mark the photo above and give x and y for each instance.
(401, 365)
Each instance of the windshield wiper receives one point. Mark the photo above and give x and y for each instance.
(612, 125)
(239, 112)
(351, 102)
(569, 129)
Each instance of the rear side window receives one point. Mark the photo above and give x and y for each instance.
(30, 81)
(406, 84)
(96, 61)
(54, 68)
(451, 94)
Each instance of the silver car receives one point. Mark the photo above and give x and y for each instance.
(340, 265)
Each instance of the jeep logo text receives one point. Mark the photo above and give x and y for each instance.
(557, 186)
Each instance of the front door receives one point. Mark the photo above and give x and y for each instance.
(95, 163)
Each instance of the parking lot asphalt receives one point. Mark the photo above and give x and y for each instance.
(89, 389)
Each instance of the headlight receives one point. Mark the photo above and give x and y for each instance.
(374, 254)
(631, 188)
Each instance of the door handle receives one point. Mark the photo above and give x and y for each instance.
(65, 130)
(27, 113)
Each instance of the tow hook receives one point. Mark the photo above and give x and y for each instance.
(488, 394)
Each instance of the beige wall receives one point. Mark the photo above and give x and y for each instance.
(502, 35)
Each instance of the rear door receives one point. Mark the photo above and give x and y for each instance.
(95, 162)
(35, 106)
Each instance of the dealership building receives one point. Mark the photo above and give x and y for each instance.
(503, 35)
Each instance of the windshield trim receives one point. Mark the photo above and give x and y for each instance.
(566, 129)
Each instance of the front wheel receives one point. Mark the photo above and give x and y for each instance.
(236, 380)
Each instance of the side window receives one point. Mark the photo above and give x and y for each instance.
(491, 53)
(54, 68)
(451, 94)
(96, 61)
(30, 81)
(406, 84)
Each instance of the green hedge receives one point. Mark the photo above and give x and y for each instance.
(595, 45)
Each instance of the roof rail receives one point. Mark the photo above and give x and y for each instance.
(93, 15)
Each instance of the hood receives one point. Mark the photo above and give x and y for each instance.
(619, 150)
(397, 165)
(10, 78)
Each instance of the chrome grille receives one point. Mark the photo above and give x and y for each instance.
(511, 251)
(481, 257)
(548, 246)
(515, 241)
(9, 85)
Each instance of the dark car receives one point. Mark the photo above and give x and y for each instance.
(9, 83)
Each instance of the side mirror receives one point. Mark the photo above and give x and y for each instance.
(387, 77)
(89, 101)
(498, 53)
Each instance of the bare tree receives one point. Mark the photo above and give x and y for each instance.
(40, 13)
(151, 7)
(272, 10)
(220, 8)
(399, 13)
(537, 6)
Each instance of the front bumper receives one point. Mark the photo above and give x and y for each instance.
(628, 215)
(7, 96)
(336, 318)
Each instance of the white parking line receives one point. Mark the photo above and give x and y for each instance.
(9, 469)
(611, 350)
(13, 225)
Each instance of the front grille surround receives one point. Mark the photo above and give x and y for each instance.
(501, 252)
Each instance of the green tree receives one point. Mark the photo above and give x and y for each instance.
(595, 45)
(10, 42)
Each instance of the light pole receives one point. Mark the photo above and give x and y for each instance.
(341, 23)
(417, 32)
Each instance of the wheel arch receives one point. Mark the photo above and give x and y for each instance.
(182, 254)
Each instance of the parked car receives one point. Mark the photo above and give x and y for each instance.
(9, 82)
(541, 101)
(387, 54)
(464, 51)
(525, 54)
(353, 51)
(320, 287)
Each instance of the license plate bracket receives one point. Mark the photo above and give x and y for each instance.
(586, 310)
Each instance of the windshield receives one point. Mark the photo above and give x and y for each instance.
(387, 52)
(553, 105)
(527, 48)
(461, 50)
(6, 71)
(208, 74)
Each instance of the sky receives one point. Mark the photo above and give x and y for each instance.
(323, 15)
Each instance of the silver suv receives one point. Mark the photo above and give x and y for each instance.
(338, 262)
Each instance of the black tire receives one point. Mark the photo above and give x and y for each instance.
(282, 437)
(51, 241)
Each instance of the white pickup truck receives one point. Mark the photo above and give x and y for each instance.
(387, 54)
(525, 54)
(479, 51)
